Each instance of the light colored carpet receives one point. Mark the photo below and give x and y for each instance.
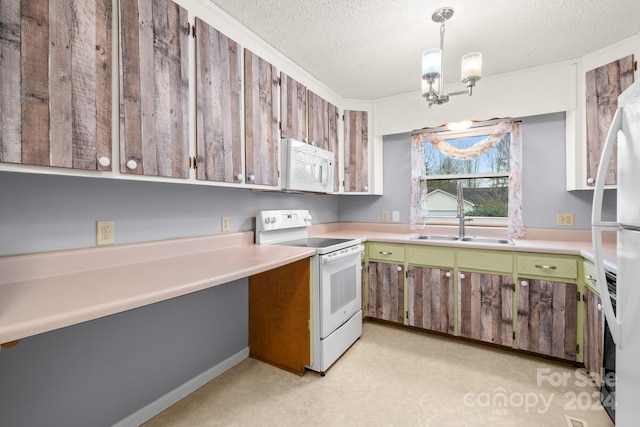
(397, 377)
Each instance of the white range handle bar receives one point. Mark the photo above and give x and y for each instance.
(599, 226)
(331, 258)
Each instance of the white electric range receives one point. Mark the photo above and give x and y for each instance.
(336, 296)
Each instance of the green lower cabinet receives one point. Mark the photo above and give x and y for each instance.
(547, 318)
(485, 307)
(430, 298)
(386, 291)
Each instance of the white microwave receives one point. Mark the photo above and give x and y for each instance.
(306, 167)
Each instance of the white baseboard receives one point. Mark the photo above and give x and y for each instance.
(154, 408)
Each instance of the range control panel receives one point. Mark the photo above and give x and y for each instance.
(282, 219)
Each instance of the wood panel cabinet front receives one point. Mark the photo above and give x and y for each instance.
(386, 291)
(154, 97)
(293, 108)
(218, 143)
(356, 151)
(547, 317)
(55, 78)
(430, 298)
(486, 307)
(593, 335)
(261, 120)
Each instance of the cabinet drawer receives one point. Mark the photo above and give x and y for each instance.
(434, 256)
(499, 262)
(548, 266)
(386, 252)
(589, 271)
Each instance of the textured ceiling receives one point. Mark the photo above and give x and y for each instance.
(367, 49)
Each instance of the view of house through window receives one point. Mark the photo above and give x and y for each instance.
(484, 178)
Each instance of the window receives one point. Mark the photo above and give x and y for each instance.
(485, 160)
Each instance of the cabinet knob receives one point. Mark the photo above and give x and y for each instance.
(447, 274)
(365, 188)
(399, 268)
(132, 164)
(104, 161)
(524, 283)
(599, 307)
(239, 177)
(461, 275)
(590, 180)
(251, 177)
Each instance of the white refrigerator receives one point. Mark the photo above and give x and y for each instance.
(624, 322)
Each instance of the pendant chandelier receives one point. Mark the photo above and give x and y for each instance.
(432, 68)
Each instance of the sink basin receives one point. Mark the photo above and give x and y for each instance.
(488, 240)
(428, 237)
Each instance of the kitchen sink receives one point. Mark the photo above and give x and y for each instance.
(488, 240)
(429, 237)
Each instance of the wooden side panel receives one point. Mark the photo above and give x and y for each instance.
(603, 85)
(386, 291)
(333, 143)
(218, 115)
(279, 315)
(430, 299)
(261, 120)
(547, 318)
(293, 108)
(318, 120)
(485, 308)
(593, 335)
(154, 96)
(10, 66)
(356, 151)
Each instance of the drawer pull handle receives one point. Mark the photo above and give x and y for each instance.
(386, 253)
(546, 267)
(590, 277)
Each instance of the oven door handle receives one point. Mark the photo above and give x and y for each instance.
(329, 259)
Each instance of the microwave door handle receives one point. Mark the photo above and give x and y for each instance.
(599, 226)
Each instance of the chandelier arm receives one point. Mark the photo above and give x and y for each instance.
(441, 86)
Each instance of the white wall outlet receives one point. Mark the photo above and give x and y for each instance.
(224, 223)
(104, 233)
(395, 216)
(385, 215)
(565, 219)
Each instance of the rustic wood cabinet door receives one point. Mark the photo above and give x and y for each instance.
(547, 318)
(593, 334)
(603, 85)
(356, 151)
(386, 291)
(55, 83)
(154, 96)
(318, 120)
(261, 120)
(218, 143)
(430, 298)
(486, 307)
(293, 108)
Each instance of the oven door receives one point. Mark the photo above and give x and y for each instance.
(340, 281)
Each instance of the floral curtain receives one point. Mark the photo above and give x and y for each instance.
(419, 208)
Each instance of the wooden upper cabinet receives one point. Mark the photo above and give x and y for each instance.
(318, 119)
(55, 83)
(603, 85)
(293, 109)
(218, 117)
(261, 120)
(332, 136)
(154, 96)
(356, 151)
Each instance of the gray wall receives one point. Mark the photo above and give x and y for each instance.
(543, 180)
(48, 212)
(99, 372)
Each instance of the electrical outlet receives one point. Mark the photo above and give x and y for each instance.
(224, 223)
(104, 233)
(385, 215)
(395, 216)
(565, 219)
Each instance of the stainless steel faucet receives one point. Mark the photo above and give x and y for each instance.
(460, 215)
